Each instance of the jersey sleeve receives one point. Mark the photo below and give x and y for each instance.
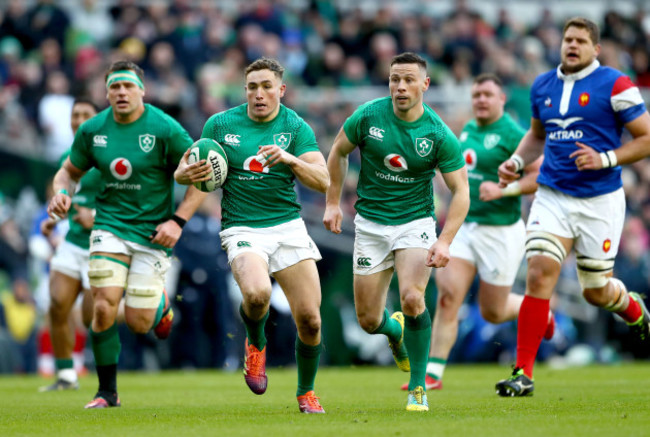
(533, 99)
(79, 153)
(626, 100)
(179, 141)
(352, 126)
(516, 134)
(305, 140)
(450, 157)
(208, 128)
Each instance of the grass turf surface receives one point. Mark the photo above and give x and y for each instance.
(589, 401)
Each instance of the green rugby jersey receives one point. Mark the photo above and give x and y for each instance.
(484, 149)
(398, 161)
(137, 163)
(253, 195)
(87, 189)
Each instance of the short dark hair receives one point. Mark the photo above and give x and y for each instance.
(409, 58)
(85, 101)
(488, 77)
(583, 23)
(125, 65)
(265, 64)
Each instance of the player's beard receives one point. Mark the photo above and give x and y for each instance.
(570, 69)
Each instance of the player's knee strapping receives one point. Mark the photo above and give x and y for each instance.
(144, 291)
(594, 273)
(107, 272)
(545, 244)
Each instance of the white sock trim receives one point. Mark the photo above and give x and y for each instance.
(436, 370)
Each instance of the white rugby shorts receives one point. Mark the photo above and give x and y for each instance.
(374, 243)
(145, 261)
(496, 251)
(594, 223)
(72, 261)
(280, 246)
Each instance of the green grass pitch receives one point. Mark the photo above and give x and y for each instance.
(362, 401)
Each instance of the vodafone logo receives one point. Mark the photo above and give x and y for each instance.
(121, 169)
(395, 162)
(252, 164)
(470, 159)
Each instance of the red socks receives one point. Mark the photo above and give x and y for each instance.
(531, 326)
(632, 313)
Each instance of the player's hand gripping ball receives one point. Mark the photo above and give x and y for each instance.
(213, 153)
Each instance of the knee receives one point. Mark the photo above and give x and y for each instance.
(308, 324)
(448, 303)
(103, 314)
(538, 278)
(491, 315)
(368, 322)
(412, 301)
(58, 310)
(257, 298)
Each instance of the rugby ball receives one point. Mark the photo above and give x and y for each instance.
(213, 153)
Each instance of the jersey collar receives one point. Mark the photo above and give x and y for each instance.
(578, 75)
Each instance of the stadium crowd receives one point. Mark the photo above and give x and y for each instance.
(193, 53)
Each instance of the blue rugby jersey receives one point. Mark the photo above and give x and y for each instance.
(590, 106)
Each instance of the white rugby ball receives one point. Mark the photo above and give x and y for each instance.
(213, 153)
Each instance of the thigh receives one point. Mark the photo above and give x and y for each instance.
(250, 271)
(492, 296)
(370, 292)
(455, 279)
(301, 286)
(64, 289)
(412, 272)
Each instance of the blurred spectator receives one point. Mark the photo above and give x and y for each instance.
(91, 23)
(54, 112)
(264, 13)
(633, 263)
(47, 20)
(14, 23)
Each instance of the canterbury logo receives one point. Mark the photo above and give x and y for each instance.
(564, 123)
(376, 132)
(243, 244)
(232, 139)
(100, 141)
(363, 261)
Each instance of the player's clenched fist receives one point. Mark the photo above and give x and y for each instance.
(59, 205)
(332, 219)
(508, 172)
(438, 255)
